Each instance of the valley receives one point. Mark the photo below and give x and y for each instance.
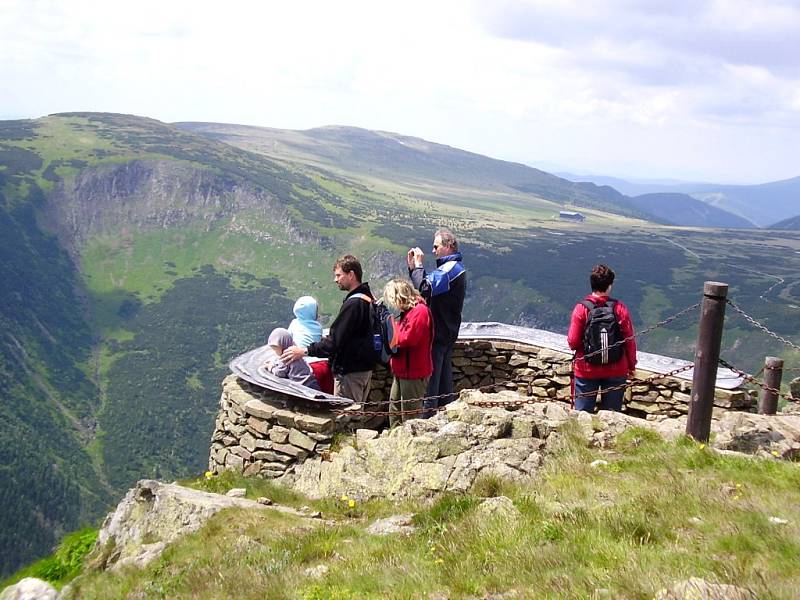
(139, 257)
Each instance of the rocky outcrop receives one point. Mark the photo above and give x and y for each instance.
(150, 194)
(423, 457)
(153, 514)
(762, 435)
(448, 453)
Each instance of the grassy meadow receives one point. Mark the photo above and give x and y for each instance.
(656, 513)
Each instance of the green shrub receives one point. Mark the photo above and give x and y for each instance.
(64, 564)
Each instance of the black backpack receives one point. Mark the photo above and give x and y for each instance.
(384, 342)
(602, 338)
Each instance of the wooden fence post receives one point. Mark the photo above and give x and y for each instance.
(773, 373)
(706, 360)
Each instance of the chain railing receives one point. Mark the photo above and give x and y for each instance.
(761, 326)
(501, 403)
(506, 383)
(752, 379)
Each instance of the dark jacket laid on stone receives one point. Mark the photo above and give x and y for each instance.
(349, 343)
(444, 290)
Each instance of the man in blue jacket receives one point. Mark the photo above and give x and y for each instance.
(444, 290)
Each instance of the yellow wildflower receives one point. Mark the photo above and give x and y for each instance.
(351, 503)
(702, 446)
(209, 474)
(775, 453)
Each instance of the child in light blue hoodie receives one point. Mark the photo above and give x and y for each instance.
(305, 328)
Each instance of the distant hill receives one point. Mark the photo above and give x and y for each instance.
(409, 159)
(792, 223)
(637, 187)
(760, 204)
(682, 209)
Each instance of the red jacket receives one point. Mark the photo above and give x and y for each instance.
(414, 334)
(580, 315)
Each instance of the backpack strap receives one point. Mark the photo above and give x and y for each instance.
(361, 296)
(590, 304)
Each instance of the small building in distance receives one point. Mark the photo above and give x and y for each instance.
(570, 215)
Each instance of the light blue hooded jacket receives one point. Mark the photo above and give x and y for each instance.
(305, 329)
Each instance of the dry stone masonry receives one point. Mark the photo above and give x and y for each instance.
(266, 433)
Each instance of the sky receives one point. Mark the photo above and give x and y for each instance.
(701, 90)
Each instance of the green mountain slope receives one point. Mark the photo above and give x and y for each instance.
(138, 258)
(409, 160)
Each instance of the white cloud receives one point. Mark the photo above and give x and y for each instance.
(660, 88)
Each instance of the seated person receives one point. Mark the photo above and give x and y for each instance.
(305, 328)
(298, 371)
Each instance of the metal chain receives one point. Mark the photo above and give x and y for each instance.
(663, 323)
(506, 404)
(758, 325)
(753, 380)
(650, 379)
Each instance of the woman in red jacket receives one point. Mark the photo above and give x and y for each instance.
(412, 364)
(591, 376)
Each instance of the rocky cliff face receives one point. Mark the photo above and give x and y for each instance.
(150, 194)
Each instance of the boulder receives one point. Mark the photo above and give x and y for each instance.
(30, 588)
(700, 589)
(394, 525)
(500, 506)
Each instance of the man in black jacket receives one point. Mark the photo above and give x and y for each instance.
(444, 290)
(349, 344)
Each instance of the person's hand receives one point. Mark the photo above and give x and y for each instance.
(632, 374)
(410, 258)
(419, 255)
(292, 353)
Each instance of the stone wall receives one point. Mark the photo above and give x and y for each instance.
(268, 433)
(265, 433)
(545, 373)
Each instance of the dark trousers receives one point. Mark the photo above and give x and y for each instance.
(441, 382)
(586, 393)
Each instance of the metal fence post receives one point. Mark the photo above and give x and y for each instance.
(773, 373)
(706, 360)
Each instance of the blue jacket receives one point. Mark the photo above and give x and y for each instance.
(444, 290)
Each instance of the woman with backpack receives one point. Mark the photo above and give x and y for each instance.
(601, 334)
(412, 364)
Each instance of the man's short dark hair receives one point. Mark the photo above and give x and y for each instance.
(602, 276)
(448, 239)
(349, 264)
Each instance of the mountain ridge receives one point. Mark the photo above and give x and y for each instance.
(761, 204)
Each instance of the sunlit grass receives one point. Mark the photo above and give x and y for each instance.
(658, 512)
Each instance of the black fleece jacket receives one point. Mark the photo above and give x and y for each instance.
(349, 343)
